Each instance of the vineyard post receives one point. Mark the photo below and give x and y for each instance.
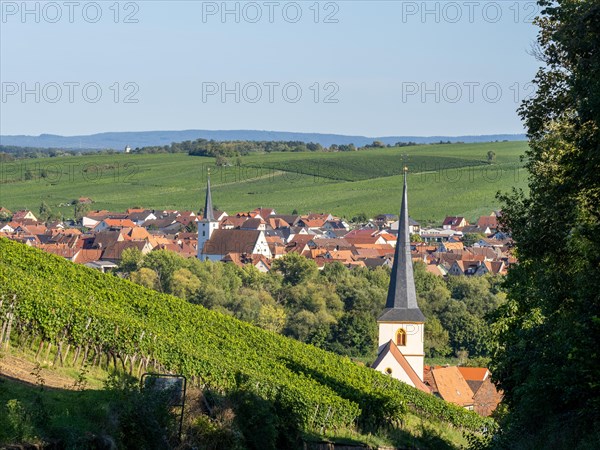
(65, 355)
(4, 321)
(59, 354)
(40, 347)
(96, 355)
(27, 341)
(76, 356)
(132, 363)
(315, 415)
(10, 317)
(67, 350)
(48, 350)
(85, 353)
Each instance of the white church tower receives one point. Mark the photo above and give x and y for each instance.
(402, 324)
(208, 224)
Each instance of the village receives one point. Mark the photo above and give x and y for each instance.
(260, 236)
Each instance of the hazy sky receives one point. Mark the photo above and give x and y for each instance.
(352, 67)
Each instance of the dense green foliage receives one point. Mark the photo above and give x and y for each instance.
(444, 182)
(309, 388)
(549, 330)
(335, 308)
(120, 414)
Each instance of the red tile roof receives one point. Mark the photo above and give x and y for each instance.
(35, 229)
(434, 269)
(474, 373)
(58, 249)
(487, 221)
(119, 223)
(264, 212)
(452, 386)
(116, 250)
(136, 233)
(231, 241)
(233, 221)
(454, 221)
(399, 357)
(87, 256)
(365, 232)
(18, 215)
(450, 246)
(184, 250)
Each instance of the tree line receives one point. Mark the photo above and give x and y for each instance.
(334, 308)
(13, 152)
(228, 149)
(547, 358)
(198, 147)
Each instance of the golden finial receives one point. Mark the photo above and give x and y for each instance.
(405, 160)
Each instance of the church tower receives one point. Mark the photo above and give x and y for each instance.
(208, 224)
(402, 324)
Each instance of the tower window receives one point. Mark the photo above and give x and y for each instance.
(401, 337)
(203, 233)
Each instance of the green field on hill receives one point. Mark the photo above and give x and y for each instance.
(449, 179)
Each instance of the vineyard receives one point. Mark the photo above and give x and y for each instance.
(445, 180)
(88, 317)
(365, 165)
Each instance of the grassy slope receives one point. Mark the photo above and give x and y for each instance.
(445, 179)
(199, 342)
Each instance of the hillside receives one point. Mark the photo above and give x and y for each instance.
(445, 180)
(135, 329)
(118, 140)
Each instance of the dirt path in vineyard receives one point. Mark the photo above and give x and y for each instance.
(23, 370)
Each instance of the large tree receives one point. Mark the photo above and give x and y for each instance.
(547, 361)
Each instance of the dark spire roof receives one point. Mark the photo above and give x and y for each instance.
(208, 207)
(401, 304)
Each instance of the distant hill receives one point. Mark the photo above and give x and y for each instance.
(118, 140)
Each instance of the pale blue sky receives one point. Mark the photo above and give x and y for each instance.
(375, 53)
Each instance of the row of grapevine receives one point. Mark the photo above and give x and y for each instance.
(362, 165)
(86, 315)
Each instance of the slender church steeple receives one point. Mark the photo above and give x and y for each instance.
(208, 224)
(401, 304)
(208, 207)
(402, 324)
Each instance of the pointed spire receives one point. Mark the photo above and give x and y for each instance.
(401, 304)
(208, 207)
